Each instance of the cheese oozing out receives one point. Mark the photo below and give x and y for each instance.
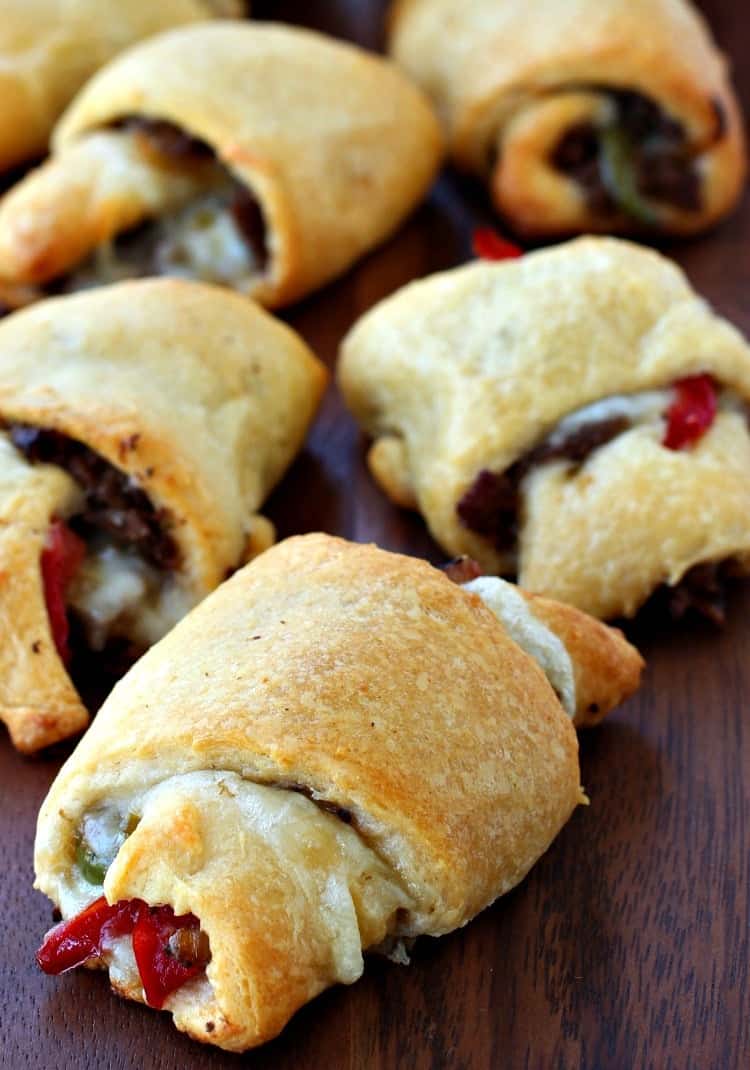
(354, 900)
(118, 594)
(647, 407)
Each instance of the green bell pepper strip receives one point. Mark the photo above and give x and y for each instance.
(619, 175)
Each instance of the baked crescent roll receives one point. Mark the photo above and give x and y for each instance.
(49, 49)
(577, 417)
(141, 428)
(338, 751)
(582, 115)
(264, 158)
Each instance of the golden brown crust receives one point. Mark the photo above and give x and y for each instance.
(512, 79)
(334, 143)
(505, 351)
(376, 684)
(198, 394)
(48, 50)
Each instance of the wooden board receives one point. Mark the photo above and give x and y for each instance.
(627, 946)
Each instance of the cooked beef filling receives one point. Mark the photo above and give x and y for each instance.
(330, 807)
(95, 672)
(577, 155)
(642, 156)
(166, 139)
(114, 503)
(491, 505)
(190, 948)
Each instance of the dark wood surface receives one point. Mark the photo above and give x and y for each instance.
(627, 946)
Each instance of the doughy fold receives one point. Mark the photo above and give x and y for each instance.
(49, 49)
(196, 393)
(374, 686)
(37, 700)
(335, 145)
(471, 369)
(511, 79)
(592, 667)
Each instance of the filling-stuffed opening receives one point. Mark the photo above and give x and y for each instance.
(168, 950)
(637, 161)
(211, 230)
(109, 570)
(702, 592)
(361, 904)
(161, 950)
(492, 506)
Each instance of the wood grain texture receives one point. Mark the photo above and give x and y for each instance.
(627, 946)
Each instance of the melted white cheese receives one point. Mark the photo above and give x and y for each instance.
(539, 641)
(119, 594)
(648, 407)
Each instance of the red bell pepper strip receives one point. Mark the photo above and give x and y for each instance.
(62, 556)
(692, 412)
(161, 970)
(489, 245)
(83, 937)
(73, 942)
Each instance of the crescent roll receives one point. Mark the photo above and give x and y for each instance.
(582, 115)
(260, 157)
(337, 751)
(577, 417)
(49, 49)
(141, 428)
